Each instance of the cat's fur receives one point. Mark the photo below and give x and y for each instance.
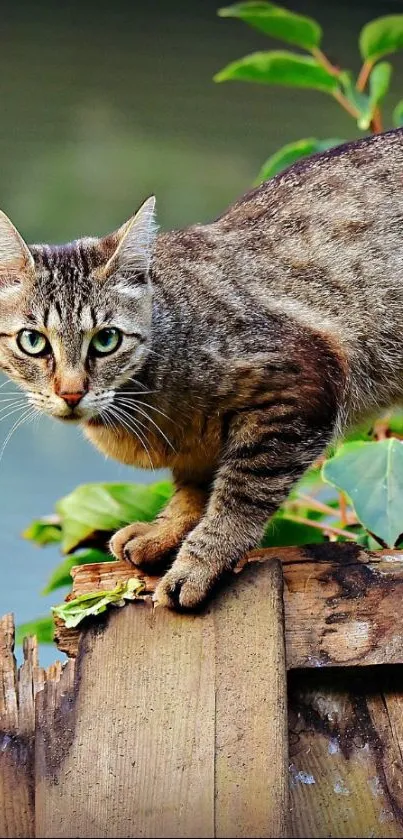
(254, 340)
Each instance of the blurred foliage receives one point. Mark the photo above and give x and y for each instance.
(362, 98)
(43, 628)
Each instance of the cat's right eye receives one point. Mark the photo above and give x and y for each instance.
(32, 342)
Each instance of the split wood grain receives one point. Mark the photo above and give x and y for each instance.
(17, 724)
(251, 760)
(176, 724)
(342, 603)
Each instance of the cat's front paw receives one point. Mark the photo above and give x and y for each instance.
(187, 584)
(125, 535)
(145, 543)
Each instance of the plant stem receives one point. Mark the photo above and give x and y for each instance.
(376, 125)
(364, 75)
(378, 539)
(325, 528)
(324, 61)
(343, 509)
(316, 505)
(381, 427)
(344, 102)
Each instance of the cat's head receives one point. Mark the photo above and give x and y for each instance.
(75, 319)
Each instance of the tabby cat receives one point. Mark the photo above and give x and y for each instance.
(231, 352)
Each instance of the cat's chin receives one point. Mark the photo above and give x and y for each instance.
(94, 422)
(71, 419)
(75, 419)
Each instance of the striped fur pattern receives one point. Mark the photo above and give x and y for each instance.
(248, 344)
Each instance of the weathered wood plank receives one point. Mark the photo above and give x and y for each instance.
(344, 608)
(17, 692)
(345, 736)
(176, 724)
(141, 757)
(251, 768)
(342, 604)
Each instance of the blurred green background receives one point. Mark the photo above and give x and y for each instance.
(102, 104)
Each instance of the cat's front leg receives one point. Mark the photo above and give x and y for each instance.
(152, 543)
(265, 455)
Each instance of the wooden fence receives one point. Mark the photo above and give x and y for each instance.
(169, 725)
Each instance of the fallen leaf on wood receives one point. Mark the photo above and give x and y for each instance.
(95, 602)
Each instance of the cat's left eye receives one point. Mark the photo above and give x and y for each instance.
(106, 341)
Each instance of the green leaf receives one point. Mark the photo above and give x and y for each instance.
(379, 82)
(360, 432)
(395, 422)
(43, 628)
(381, 37)
(283, 68)
(311, 481)
(292, 152)
(283, 531)
(94, 603)
(61, 575)
(278, 22)
(44, 531)
(105, 507)
(398, 115)
(372, 476)
(359, 100)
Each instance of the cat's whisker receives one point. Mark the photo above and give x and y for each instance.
(144, 414)
(11, 401)
(13, 411)
(147, 405)
(7, 382)
(8, 394)
(108, 421)
(121, 418)
(144, 388)
(131, 417)
(137, 434)
(137, 422)
(135, 392)
(20, 421)
(136, 382)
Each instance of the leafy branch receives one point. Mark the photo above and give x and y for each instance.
(362, 98)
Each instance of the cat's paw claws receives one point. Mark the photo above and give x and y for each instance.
(145, 544)
(185, 586)
(120, 542)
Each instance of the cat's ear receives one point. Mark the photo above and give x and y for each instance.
(16, 260)
(134, 242)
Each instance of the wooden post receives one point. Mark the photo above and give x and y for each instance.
(17, 723)
(174, 725)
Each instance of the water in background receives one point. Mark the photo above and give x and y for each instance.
(103, 104)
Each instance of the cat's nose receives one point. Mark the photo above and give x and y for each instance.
(72, 399)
